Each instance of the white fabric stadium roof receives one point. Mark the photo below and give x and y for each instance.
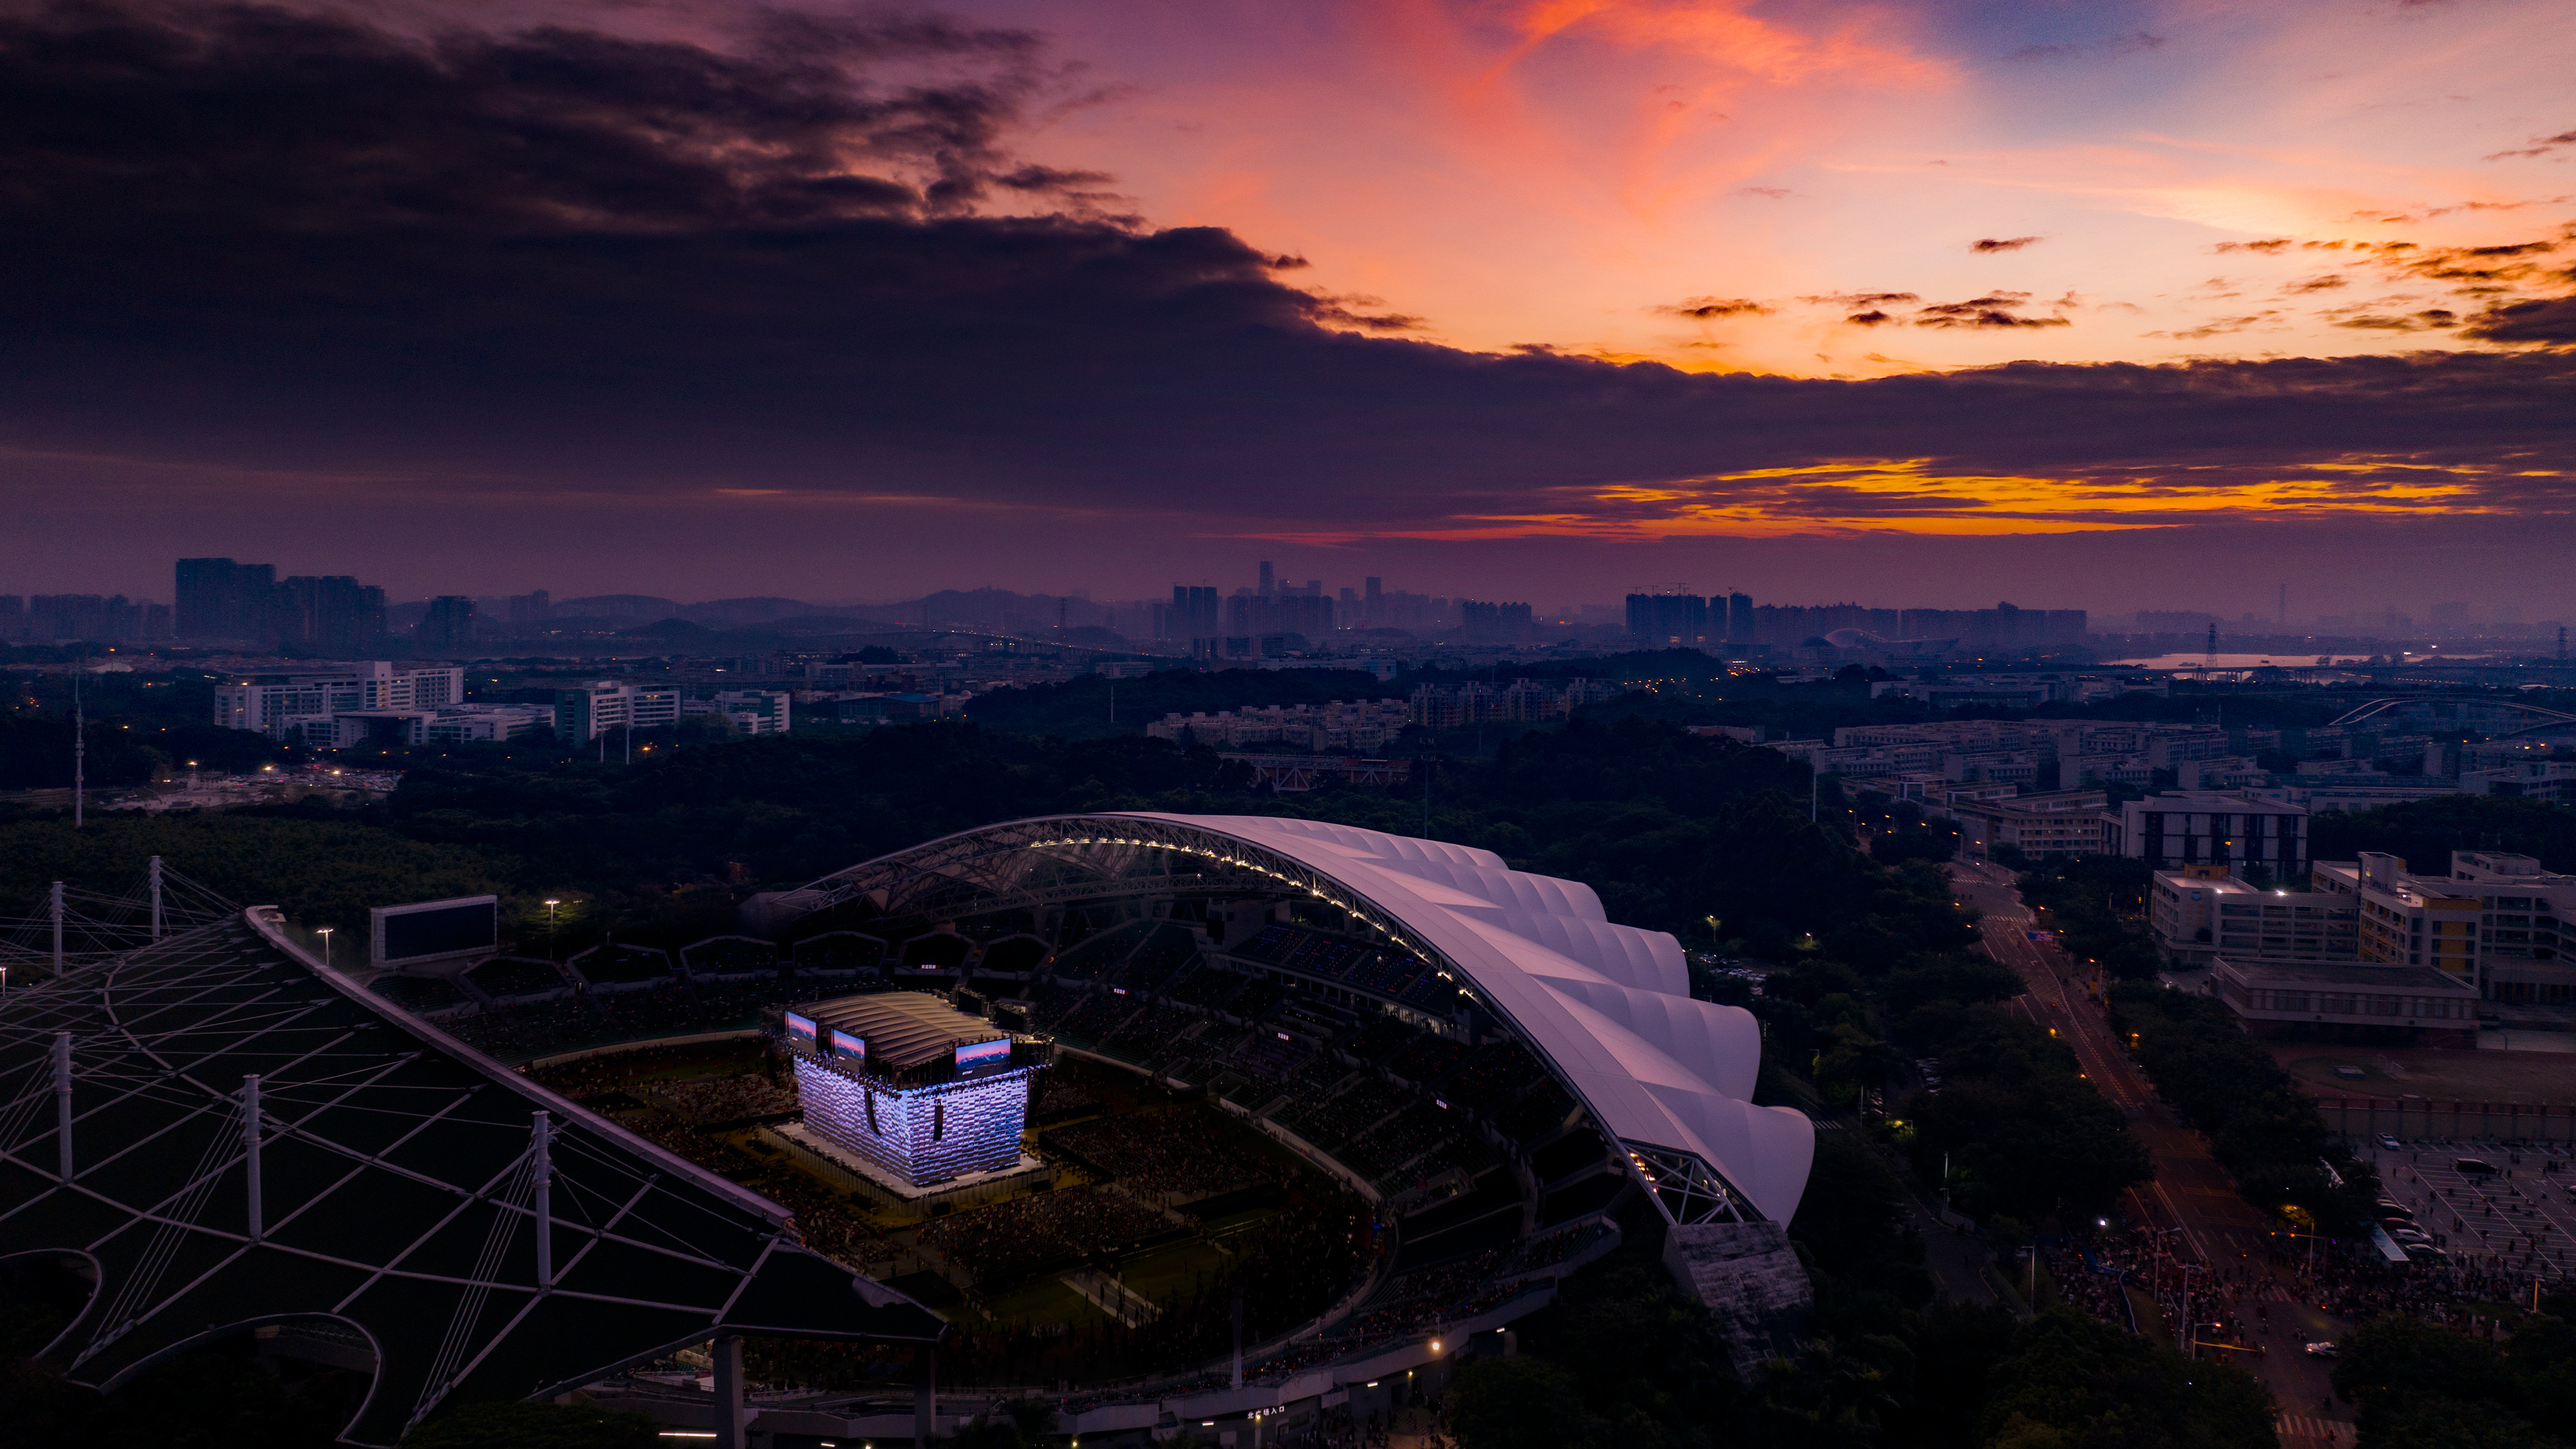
(1609, 1005)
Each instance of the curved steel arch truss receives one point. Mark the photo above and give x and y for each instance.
(1606, 1007)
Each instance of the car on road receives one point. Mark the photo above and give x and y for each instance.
(2390, 1207)
(2473, 1167)
(2427, 1250)
(2412, 1238)
(2391, 1143)
(2321, 1350)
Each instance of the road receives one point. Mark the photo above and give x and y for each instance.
(2190, 1197)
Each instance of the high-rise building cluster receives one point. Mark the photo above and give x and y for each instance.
(219, 599)
(1675, 618)
(100, 618)
(1276, 615)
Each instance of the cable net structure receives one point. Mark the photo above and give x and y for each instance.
(220, 1134)
(76, 927)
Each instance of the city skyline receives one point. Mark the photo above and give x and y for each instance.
(220, 601)
(973, 301)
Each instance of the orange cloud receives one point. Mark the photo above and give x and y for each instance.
(1911, 496)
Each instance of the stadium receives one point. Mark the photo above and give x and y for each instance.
(1200, 1118)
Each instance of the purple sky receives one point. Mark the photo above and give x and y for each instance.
(700, 300)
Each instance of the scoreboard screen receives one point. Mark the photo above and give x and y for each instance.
(434, 930)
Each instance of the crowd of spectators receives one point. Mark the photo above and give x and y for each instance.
(515, 975)
(723, 1004)
(712, 1101)
(724, 955)
(610, 961)
(839, 951)
(1064, 1095)
(1424, 1058)
(1537, 1114)
(526, 1029)
(1099, 955)
(1149, 1033)
(1171, 947)
(685, 1141)
(614, 1071)
(828, 1224)
(1329, 1122)
(1007, 1241)
(1493, 1073)
(1378, 1038)
(1169, 1157)
(1415, 1129)
(1462, 1150)
(419, 993)
(1208, 986)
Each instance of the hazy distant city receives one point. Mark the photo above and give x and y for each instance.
(219, 603)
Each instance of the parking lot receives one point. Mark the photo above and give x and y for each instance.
(2520, 1219)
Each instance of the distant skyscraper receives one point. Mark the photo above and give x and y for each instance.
(1661, 621)
(449, 624)
(220, 599)
(528, 609)
(1739, 617)
(1195, 612)
(334, 613)
(1269, 579)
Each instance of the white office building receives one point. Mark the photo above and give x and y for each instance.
(584, 714)
(281, 705)
(755, 711)
(2201, 827)
(2498, 923)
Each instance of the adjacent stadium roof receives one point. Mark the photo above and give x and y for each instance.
(398, 1189)
(1608, 1006)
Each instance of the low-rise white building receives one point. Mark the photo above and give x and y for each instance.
(2058, 822)
(584, 714)
(755, 711)
(2411, 1001)
(2198, 914)
(1338, 725)
(2497, 923)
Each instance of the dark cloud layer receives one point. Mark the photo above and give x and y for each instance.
(572, 262)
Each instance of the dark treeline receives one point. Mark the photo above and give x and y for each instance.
(1623, 1358)
(2261, 1127)
(2419, 1383)
(1673, 829)
(2425, 832)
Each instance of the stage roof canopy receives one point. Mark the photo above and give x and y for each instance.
(901, 1028)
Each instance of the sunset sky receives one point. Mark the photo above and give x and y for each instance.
(2099, 305)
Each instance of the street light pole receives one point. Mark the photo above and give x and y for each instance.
(325, 933)
(550, 930)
